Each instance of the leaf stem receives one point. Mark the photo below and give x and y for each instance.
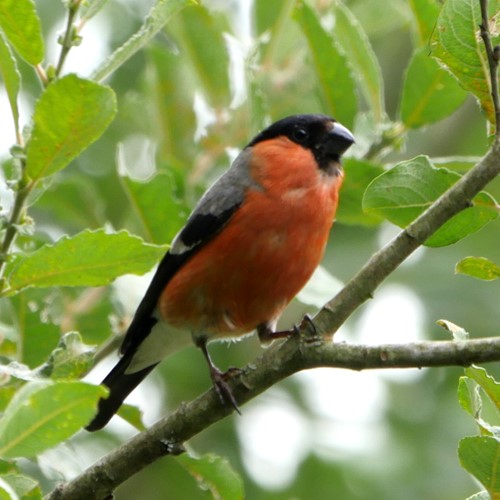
(42, 74)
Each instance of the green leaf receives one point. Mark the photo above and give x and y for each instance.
(71, 359)
(332, 67)
(401, 194)
(468, 221)
(94, 321)
(268, 14)
(468, 397)
(7, 392)
(358, 175)
(69, 116)
(21, 25)
(8, 467)
(429, 92)
(215, 474)
(43, 414)
(354, 41)
(91, 258)
(470, 387)
(202, 38)
(458, 46)
(425, 13)
(155, 206)
(270, 20)
(71, 201)
(456, 163)
(24, 487)
(36, 335)
(174, 114)
(132, 415)
(489, 385)
(158, 17)
(480, 455)
(6, 493)
(478, 267)
(11, 77)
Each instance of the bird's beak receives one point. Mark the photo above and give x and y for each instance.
(340, 139)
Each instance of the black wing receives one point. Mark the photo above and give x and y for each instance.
(212, 213)
(197, 232)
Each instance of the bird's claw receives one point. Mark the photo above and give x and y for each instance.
(222, 388)
(307, 322)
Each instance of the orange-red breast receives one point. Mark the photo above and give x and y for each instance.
(247, 249)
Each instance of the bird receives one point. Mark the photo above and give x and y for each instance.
(248, 247)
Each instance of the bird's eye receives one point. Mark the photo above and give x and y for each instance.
(300, 134)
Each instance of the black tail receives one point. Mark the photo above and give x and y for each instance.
(120, 386)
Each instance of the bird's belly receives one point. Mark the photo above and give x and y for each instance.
(239, 279)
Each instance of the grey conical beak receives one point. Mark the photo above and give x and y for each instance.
(341, 139)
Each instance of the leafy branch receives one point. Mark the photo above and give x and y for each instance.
(36, 162)
(32, 54)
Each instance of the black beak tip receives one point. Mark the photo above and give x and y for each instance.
(343, 136)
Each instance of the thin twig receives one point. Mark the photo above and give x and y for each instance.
(12, 227)
(493, 54)
(68, 38)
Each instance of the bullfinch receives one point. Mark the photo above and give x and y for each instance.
(249, 246)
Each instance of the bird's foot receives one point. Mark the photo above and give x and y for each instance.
(307, 323)
(267, 334)
(219, 378)
(221, 386)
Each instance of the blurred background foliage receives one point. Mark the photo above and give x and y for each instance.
(187, 102)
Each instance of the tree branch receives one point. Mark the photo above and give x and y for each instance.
(298, 353)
